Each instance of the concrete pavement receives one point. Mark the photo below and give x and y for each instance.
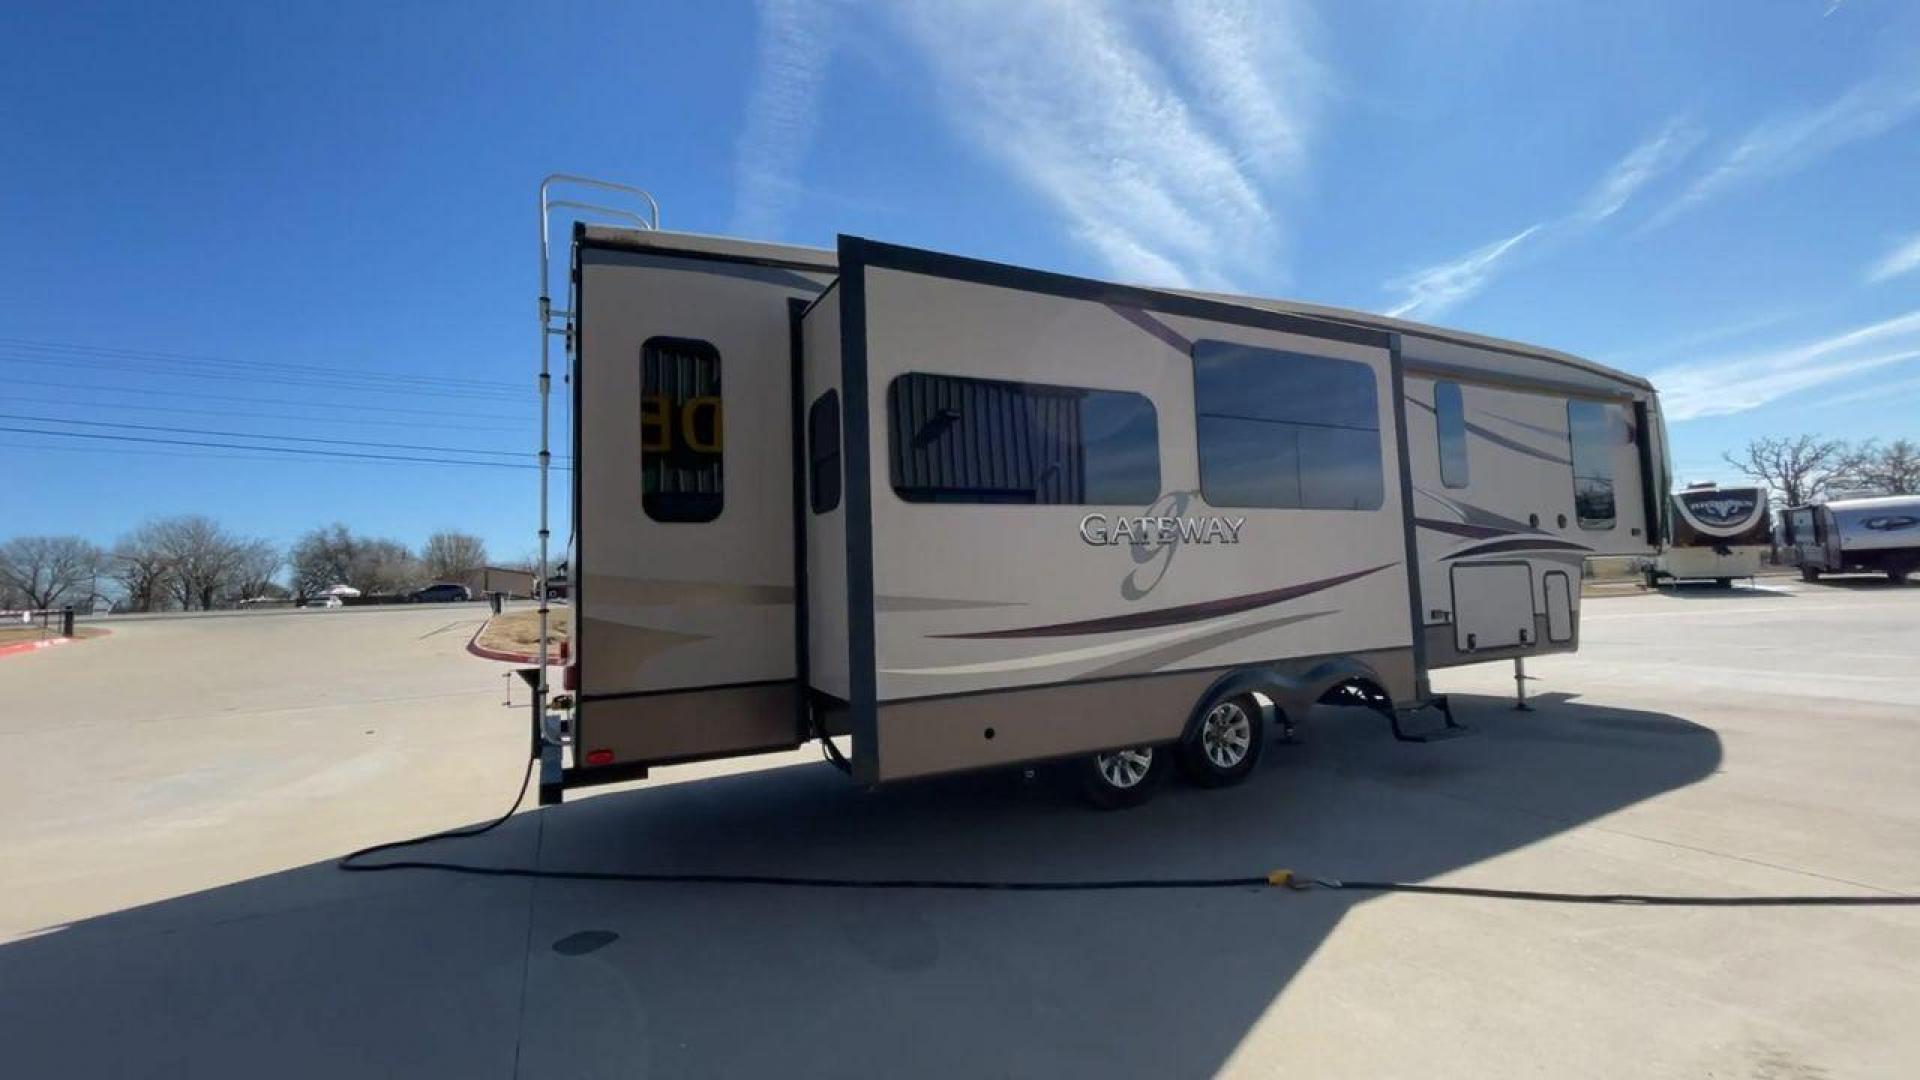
(170, 798)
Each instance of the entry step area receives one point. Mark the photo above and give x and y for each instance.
(1415, 725)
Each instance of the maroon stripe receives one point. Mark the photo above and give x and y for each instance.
(1185, 613)
(1152, 326)
(1523, 543)
(1461, 528)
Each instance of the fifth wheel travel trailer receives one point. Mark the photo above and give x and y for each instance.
(1714, 533)
(970, 515)
(1855, 536)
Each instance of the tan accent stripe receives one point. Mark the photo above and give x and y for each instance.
(642, 592)
(697, 723)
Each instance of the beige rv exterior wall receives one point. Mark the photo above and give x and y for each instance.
(826, 533)
(1518, 469)
(943, 570)
(679, 605)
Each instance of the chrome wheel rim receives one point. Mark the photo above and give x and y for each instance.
(1125, 769)
(1226, 736)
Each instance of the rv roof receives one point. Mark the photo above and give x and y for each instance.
(640, 239)
(646, 240)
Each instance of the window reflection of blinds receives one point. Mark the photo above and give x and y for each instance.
(988, 441)
(681, 430)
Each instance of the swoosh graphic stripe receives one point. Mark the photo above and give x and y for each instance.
(1184, 613)
(1522, 543)
(1514, 445)
(1461, 528)
(1152, 326)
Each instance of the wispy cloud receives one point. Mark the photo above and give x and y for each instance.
(1430, 291)
(1256, 76)
(1164, 188)
(1737, 384)
(1437, 288)
(1690, 342)
(1904, 258)
(1878, 393)
(1792, 141)
(1642, 164)
(783, 111)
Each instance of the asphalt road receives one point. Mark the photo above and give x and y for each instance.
(171, 798)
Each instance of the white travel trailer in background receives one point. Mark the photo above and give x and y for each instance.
(1855, 536)
(1714, 533)
(973, 515)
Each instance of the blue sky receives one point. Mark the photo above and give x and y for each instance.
(318, 221)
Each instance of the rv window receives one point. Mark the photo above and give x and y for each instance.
(1594, 430)
(823, 452)
(1450, 416)
(680, 430)
(958, 440)
(1280, 429)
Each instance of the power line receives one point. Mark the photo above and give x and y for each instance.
(347, 454)
(252, 435)
(314, 382)
(198, 396)
(107, 352)
(175, 410)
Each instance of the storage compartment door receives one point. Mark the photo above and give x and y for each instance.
(1492, 606)
(1559, 590)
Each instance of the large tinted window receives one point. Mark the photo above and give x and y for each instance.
(1450, 417)
(823, 452)
(965, 440)
(1281, 429)
(1595, 431)
(680, 430)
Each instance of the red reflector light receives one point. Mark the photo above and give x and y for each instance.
(599, 757)
(570, 677)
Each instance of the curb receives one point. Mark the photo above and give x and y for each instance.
(558, 659)
(36, 646)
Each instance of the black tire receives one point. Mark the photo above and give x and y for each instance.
(1103, 776)
(1809, 573)
(1653, 579)
(1723, 582)
(1225, 745)
(1897, 577)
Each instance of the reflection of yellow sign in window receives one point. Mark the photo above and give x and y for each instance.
(693, 428)
(680, 430)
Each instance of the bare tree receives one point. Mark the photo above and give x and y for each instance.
(322, 559)
(1798, 469)
(47, 570)
(1893, 469)
(333, 555)
(207, 566)
(142, 566)
(256, 564)
(386, 566)
(452, 556)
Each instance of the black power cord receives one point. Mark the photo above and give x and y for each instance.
(1286, 879)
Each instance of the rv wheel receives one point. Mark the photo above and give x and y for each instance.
(1225, 746)
(1119, 779)
(1897, 577)
(1809, 573)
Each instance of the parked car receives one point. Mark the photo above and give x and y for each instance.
(325, 600)
(443, 592)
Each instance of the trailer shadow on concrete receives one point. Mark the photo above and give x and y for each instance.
(314, 972)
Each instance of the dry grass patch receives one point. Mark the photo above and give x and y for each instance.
(519, 631)
(13, 635)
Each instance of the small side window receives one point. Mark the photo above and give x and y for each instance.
(1450, 416)
(681, 430)
(1594, 431)
(823, 453)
